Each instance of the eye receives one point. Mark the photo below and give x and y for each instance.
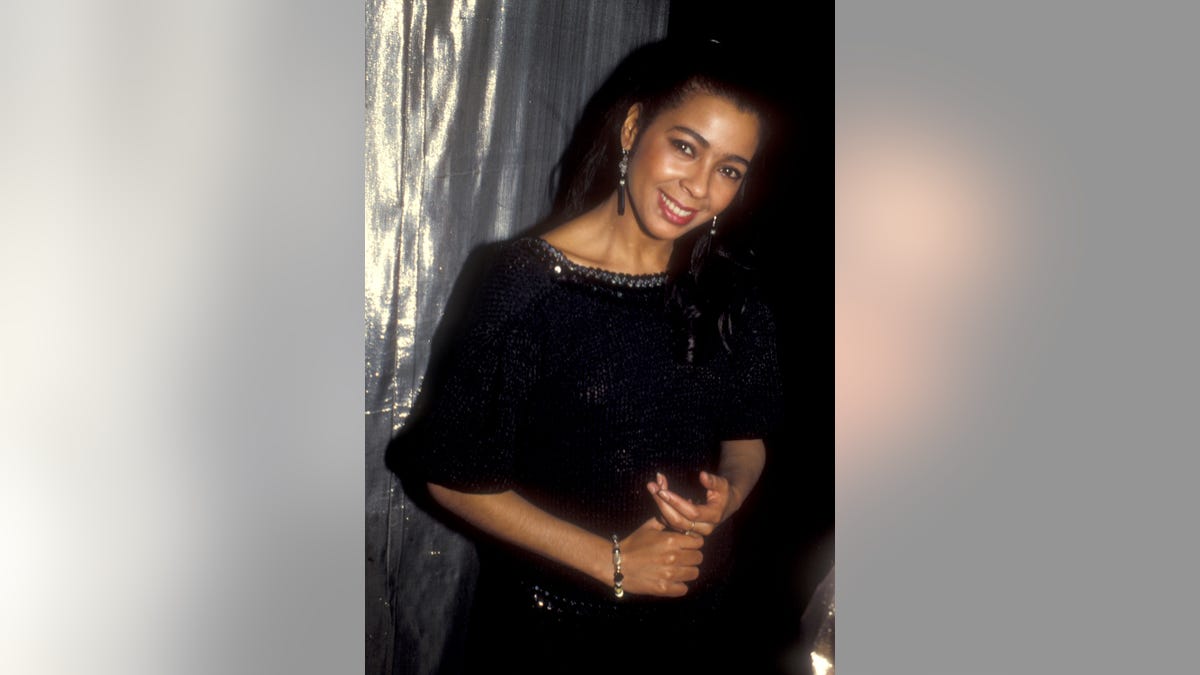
(730, 173)
(684, 147)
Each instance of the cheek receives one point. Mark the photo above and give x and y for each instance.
(656, 164)
(723, 192)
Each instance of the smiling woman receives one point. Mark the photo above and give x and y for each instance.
(601, 415)
(690, 162)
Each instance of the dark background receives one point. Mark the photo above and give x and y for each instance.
(787, 526)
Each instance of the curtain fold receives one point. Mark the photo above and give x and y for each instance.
(468, 106)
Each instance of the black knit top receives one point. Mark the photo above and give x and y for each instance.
(563, 386)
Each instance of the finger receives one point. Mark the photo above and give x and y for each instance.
(662, 480)
(679, 504)
(689, 558)
(676, 573)
(710, 513)
(674, 519)
(685, 541)
(713, 483)
(670, 503)
(672, 589)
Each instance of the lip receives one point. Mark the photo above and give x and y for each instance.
(665, 204)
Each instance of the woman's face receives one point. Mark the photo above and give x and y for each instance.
(688, 163)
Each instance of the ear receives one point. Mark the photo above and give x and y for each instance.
(629, 129)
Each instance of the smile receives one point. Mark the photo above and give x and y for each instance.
(673, 211)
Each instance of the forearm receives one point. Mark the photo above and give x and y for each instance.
(511, 518)
(741, 464)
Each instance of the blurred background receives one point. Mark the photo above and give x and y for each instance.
(182, 343)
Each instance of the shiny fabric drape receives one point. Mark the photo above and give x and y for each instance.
(468, 105)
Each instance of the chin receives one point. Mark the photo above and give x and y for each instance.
(669, 233)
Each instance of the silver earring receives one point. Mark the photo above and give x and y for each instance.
(712, 231)
(622, 168)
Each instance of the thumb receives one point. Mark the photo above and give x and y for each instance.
(714, 486)
(654, 524)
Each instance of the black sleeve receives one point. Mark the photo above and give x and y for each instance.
(756, 390)
(466, 437)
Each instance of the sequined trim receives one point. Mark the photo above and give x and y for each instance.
(560, 264)
(555, 605)
(562, 608)
(547, 601)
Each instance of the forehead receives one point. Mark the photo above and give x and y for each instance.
(727, 128)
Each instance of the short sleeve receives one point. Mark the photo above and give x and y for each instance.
(467, 433)
(755, 384)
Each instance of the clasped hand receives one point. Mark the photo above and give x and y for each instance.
(664, 553)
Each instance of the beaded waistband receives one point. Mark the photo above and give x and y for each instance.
(554, 603)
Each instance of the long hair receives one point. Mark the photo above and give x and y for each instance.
(709, 277)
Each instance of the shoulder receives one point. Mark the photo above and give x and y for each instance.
(755, 314)
(505, 280)
(523, 258)
(516, 269)
(752, 327)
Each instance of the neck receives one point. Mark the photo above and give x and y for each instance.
(623, 243)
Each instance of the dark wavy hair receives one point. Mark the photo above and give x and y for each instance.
(709, 278)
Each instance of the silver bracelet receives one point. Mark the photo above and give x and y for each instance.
(618, 578)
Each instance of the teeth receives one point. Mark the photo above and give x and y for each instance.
(676, 209)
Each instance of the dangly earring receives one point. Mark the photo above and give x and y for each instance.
(622, 167)
(712, 231)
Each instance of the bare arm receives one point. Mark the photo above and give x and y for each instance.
(741, 465)
(654, 561)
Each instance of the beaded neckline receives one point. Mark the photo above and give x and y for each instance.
(560, 264)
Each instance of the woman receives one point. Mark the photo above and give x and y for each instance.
(602, 414)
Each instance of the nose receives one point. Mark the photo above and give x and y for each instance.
(695, 183)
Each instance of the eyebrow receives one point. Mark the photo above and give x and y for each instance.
(704, 142)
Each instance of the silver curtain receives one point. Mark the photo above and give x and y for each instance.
(468, 105)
